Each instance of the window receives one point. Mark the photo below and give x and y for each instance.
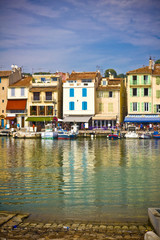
(145, 92)
(49, 110)
(71, 92)
(104, 83)
(110, 94)
(71, 105)
(134, 79)
(12, 92)
(22, 91)
(158, 108)
(86, 80)
(134, 91)
(36, 96)
(84, 105)
(0, 80)
(41, 110)
(145, 79)
(99, 94)
(48, 95)
(146, 107)
(33, 110)
(2, 101)
(84, 92)
(135, 106)
(110, 107)
(54, 79)
(2, 111)
(43, 79)
(158, 80)
(2, 88)
(157, 93)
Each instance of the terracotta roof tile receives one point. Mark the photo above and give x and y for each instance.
(156, 69)
(25, 82)
(82, 75)
(5, 73)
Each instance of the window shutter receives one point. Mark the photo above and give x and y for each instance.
(149, 92)
(131, 80)
(142, 92)
(158, 80)
(158, 94)
(142, 106)
(142, 79)
(150, 107)
(110, 107)
(138, 92)
(138, 80)
(138, 107)
(155, 108)
(149, 79)
(131, 90)
(71, 92)
(131, 105)
(113, 93)
(105, 94)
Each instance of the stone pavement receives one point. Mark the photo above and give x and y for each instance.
(16, 226)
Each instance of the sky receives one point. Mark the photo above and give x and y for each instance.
(79, 35)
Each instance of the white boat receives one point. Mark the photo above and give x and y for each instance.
(131, 132)
(68, 135)
(145, 136)
(21, 134)
(49, 133)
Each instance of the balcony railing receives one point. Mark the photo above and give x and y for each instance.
(49, 99)
(36, 99)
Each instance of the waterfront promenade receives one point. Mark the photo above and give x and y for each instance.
(18, 226)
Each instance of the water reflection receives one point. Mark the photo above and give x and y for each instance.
(82, 179)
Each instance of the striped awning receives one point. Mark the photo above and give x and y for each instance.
(144, 119)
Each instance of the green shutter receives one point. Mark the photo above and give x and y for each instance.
(158, 80)
(158, 94)
(131, 107)
(105, 94)
(142, 92)
(149, 79)
(142, 106)
(131, 80)
(138, 107)
(150, 107)
(155, 108)
(131, 92)
(142, 79)
(138, 79)
(113, 93)
(149, 92)
(138, 92)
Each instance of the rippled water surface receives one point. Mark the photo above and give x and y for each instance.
(84, 179)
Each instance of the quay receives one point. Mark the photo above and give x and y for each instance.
(18, 226)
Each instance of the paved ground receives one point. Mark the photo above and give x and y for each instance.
(17, 226)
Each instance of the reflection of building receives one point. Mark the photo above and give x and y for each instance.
(79, 96)
(17, 102)
(45, 96)
(7, 78)
(144, 94)
(110, 102)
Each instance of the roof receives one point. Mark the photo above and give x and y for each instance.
(18, 104)
(25, 82)
(82, 75)
(146, 70)
(5, 73)
(43, 89)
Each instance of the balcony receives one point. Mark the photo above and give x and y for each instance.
(36, 99)
(49, 99)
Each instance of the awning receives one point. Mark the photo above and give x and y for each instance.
(16, 104)
(39, 119)
(10, 118)
(83, 119)
(145, 119)
(100, 117)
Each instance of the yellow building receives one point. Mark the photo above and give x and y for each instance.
(144, 94)
(7, 78)
(110, 102)
(45, 98)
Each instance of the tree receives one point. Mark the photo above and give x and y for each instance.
(121, 75)
(112, 71)
(157, 62)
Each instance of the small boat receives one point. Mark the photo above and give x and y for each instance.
(131, 132)
(113, 136)
(68, 135)
(24, 135)
(49, 132)
(156, 135)
(145, 136)
(4, 133)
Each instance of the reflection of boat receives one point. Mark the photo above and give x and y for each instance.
(145, 136)
(49, 132)
(68, 135)
(156, 135)
(21, 134)
(131, 132)
(4, 133)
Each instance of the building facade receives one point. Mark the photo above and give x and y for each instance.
(110, 103)
(144, 94)
(7, 78)
(79, 92)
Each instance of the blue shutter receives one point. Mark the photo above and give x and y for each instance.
(71, 105)
(0, 80)
(84, 105)
(84, 92)
(71, 92)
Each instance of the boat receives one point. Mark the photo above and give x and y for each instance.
(68, 135)
(24, 135)
(145, 136)
(131, 133)
(156, 135)
(113, 136)
(49, 132)
(4, 133)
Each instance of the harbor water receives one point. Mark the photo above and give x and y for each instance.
(85, 179)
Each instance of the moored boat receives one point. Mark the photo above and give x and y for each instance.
(113, 136)
(131, 135)
(145, 136)
(156, 135)
(68, 135)
(21, 134)
(49, 132)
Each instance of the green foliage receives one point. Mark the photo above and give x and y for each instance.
(112, 71)
(42, 73)
(157, 62)
(121, 75)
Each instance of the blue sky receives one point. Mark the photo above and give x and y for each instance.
(66, 35)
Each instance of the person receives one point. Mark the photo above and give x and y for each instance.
(18, 126)
(33, 126)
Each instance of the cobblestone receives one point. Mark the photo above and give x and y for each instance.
(64, 230)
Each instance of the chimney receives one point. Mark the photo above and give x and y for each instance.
(151, 63)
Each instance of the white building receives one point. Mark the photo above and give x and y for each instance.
(79, 97)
